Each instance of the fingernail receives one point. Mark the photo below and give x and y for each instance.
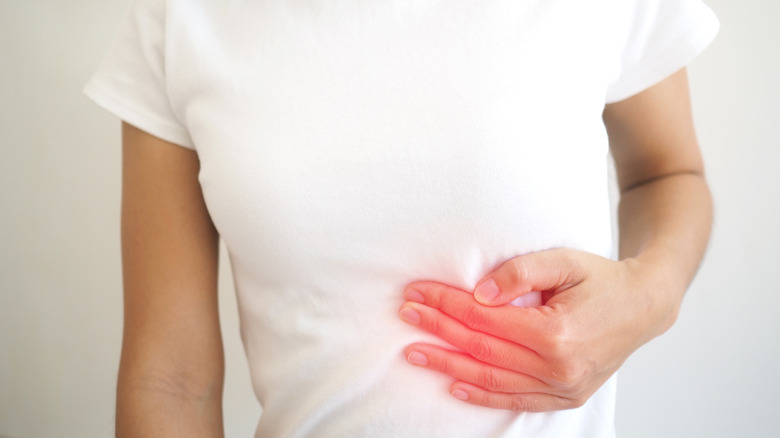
(417, 358)
(409, 315)
(460, 394)
(487, 291)
(413, 295)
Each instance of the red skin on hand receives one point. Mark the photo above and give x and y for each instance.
(551, 355)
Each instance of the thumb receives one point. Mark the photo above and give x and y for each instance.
(521, 280)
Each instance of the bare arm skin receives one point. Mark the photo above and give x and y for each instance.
(595, 312)
(665, 212)
(172, 366)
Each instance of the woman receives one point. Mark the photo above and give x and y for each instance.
(359, 156)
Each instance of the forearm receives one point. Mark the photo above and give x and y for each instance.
(154, 403)
(664, 229)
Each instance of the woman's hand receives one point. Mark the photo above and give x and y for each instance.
(594, 313)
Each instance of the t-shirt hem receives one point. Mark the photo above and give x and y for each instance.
(126, 111)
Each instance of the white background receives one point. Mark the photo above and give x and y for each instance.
(715, 374)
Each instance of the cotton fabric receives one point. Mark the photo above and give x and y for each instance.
(348, 148)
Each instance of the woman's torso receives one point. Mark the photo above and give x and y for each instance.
(348, 148)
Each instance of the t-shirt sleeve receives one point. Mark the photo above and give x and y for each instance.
(664, 37)
(131, 80)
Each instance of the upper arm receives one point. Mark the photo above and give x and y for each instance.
(169, 261)
(651, 134)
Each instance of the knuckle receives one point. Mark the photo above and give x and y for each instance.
(517, 404)
(474, 318)
(432, 292)
(559, 341)
(550, 347)
(434, 296)
(479, 347)
(435, 326)
(569, 377)
(525, 404)
(519, 271)
(443, 365)
(489, 380)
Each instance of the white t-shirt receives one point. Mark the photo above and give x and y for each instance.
(351, 147)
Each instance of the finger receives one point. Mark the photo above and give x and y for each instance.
(464, 367)
(530, 299)
(523, 402)
(554, 269)
(481, 346)
(531, 327)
